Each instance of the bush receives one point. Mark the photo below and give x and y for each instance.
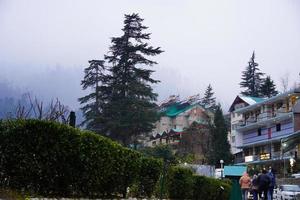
(55, 160)
(180, 183)
(206, 188)
(184, 185)
(149, 176)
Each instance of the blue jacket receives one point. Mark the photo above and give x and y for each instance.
(272, 178)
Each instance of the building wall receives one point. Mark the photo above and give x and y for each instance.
(235, 139)
(297, 121)
(181, 121)
(251, 136)
(163, 125)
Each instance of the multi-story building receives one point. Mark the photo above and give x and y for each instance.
(176, 116)
(260, 127)
(235, 139)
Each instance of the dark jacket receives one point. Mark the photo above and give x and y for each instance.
(272, 179)
(263, 181)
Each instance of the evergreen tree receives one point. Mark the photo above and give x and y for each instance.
(268, 88)
(220, 147)
(209, 101)
(130, 110)
(251, 79)
(94, 79)
(195, 142)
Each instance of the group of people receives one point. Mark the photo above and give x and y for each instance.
(261, 186)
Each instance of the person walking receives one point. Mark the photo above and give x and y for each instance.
(263, 183)
(245, 182)
(254, 187)
(272, 184)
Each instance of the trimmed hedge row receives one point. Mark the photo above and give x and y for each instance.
(54, 160)
(183, 184)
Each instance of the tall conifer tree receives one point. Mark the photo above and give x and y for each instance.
(94, 80)
(209, 101)
(220, 147)
(268, 88)
(251, 79)
(130, 111)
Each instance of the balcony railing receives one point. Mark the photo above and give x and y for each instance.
(253, 158)
(263, 117)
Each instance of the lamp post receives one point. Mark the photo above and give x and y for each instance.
(221, 162)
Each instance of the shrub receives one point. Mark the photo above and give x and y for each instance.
(183, 184)
(180, 183)
(149, 176)
(55, 160)
(206, 188)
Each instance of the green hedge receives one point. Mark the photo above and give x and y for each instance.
(54, 160)
(210, 189)
(149, 176)
(180, 183)
(183, 184)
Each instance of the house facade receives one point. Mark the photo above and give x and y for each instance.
(235, 139)
(176, 116)
(260, 127)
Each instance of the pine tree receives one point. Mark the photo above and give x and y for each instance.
(220, 147)
(251, 79)
(268, 88)
(195, 142)
(94, 80)
(209, 101)
(130, 110)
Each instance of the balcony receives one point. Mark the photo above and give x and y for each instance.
(263, 119)
(259, 158)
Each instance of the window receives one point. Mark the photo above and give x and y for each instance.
(246, 152)
(276, 147)
(279, 105)
(233, 139)
(259, 132)
(257, 150)
(233, 127)
(278, 127)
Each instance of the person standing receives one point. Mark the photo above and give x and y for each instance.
(263, 183)
(245, 182)
(254, 187)
(272, 184)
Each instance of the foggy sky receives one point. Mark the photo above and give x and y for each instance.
(45, 45)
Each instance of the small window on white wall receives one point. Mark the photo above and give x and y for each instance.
(278, 127)
(259, 132)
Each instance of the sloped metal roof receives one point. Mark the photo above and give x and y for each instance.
(234, 170)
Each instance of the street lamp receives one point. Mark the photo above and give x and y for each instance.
(221, 162)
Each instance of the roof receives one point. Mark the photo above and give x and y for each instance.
(173, 106)
(245, 99)
(178, 108)
(269, 100)
(177, 130)
(234, 170)
(252, 100)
